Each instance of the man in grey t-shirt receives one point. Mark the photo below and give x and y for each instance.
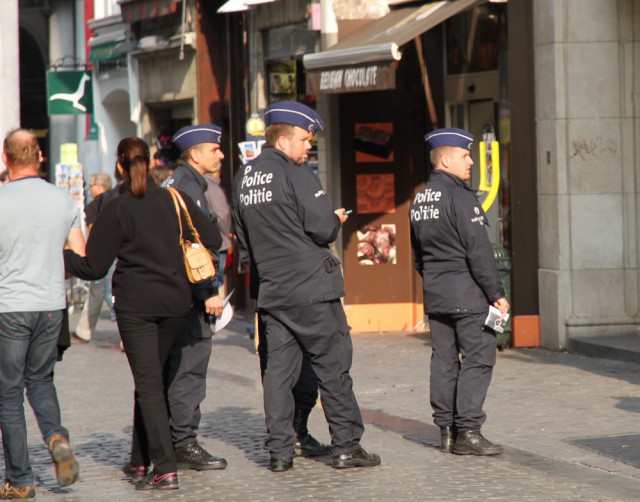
(38, 220)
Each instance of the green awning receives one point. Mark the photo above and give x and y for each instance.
(105, 52)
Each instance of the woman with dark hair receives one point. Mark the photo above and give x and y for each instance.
(152, 295)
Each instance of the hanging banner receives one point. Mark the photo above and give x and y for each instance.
(69, 93)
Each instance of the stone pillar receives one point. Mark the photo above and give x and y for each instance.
(586, 76)
(9, 65)
(62, 128)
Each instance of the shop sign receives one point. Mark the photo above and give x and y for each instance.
(365, 77)
(104, 52)
(69, 93)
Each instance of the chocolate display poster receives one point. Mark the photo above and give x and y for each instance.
(373, 142)
(375, 193)
(377, 244)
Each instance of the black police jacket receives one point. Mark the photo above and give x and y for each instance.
(451, 248)
(191, 182)
(284, 222)
(186, 179)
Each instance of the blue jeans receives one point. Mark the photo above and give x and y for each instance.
(28, 349)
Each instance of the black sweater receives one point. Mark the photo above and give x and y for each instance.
(150, 277)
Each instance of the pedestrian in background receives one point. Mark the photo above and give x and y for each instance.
(37, 220)
(220, 210)
(99, 290)
(284, 222)
(152, 298)
(453, 254)
(187, 367)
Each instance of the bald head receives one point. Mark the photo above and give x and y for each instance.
(21, 153)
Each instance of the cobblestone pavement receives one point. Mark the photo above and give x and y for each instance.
(570, 426)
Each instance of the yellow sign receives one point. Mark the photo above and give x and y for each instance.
(492, 185)
(255, 126)
(69, 153)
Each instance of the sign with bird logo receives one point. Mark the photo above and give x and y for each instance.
(69, 93)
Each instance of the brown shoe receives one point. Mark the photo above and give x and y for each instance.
(80, 340)
(67, 469)
(9, 492)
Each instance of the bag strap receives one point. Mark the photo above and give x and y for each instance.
(175, 203)
(177, 199)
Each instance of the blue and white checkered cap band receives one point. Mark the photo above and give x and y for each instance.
(449, 137)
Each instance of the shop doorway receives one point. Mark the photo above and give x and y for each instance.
(378, 160)
(479, 117)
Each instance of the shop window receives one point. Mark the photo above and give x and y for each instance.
(282, 81)
(285, 80)
(472, 40)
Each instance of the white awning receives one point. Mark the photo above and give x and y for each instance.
(240, 5)
(380, 40)
(233, 6)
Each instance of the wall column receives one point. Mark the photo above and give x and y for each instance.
(9, 65)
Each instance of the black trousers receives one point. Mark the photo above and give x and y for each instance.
(321, 329)
(147, 342)
(462, 361)
(305, 391)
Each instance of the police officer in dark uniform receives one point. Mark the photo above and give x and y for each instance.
(453, 253)
(285, 222)
(187, 366)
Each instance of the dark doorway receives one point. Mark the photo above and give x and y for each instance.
(33, 92)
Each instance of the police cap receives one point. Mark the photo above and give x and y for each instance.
(188, 136)
(293, 113)
(449, 137)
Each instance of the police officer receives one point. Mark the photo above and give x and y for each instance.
(187, 366)
(285, 222)
(453, 253)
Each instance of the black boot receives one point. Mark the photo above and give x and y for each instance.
(306, 444)
(474, 443)
(358, 458)
(280, 464)
(447, 439)
(193, 456)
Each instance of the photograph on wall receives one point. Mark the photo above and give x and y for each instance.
(282, 80)
(377, 244)
(282, 83)
(375, 193)
(373, 142)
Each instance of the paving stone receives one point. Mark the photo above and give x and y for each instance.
(569, 425)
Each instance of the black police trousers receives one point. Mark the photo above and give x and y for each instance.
(321, 329)
(462, 361)
(305, 391)
(186, 373)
